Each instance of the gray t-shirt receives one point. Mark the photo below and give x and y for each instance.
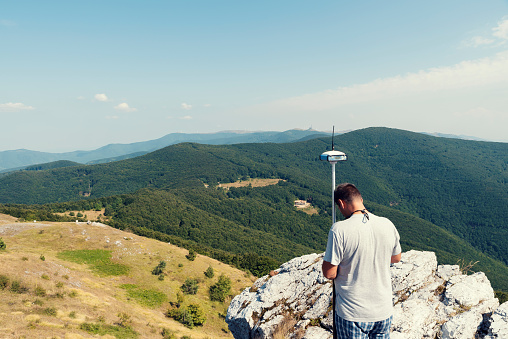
(362, 248)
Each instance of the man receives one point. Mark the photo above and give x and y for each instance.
(357, 258)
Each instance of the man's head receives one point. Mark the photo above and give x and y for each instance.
(348, 198)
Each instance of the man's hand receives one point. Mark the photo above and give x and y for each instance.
(329, 270)
(396, 258)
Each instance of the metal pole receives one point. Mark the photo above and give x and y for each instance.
(333, 281)
(334, 218)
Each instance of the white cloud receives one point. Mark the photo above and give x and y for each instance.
(101, 97)
(15, 107)
(499, 35)
(112, 117)
(125, 107)
(207, 105)
(187, 117)
(479, 41)
(501, 31)
(186, 106)
(467, 74)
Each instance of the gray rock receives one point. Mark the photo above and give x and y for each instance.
(499, 323)
(429, 302)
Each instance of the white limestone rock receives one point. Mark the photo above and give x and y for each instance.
(314, 332)
(499, 323)
(415, 319)
(414, 270)
(445, 272)
(429, 302)
(468, 290)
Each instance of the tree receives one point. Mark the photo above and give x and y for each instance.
(209, 272)
(220, 290)
(192, 255)
(159, 269)
(190, 316)
(190, 286)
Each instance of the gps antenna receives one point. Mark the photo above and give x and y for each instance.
(333, 134)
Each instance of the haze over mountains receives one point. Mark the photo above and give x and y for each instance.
(18, 159)
(441, 194)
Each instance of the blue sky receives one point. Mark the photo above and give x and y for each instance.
(80, 75)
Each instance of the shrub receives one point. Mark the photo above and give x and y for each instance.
(159, 269)
(190, 316)
(42, 257)
(51, 311)
(18, 287)
(220, 290)
(190, 286)
(39, 291)
(209, 272)
(4, 282)
(192, 255)
(3, 246)
(124, 319)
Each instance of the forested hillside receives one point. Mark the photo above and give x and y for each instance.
(420, 181)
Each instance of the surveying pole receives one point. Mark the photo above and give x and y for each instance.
(333, 157)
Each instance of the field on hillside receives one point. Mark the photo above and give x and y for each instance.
(46, 292)
(252, 182)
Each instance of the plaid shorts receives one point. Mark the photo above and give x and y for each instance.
(362, 330)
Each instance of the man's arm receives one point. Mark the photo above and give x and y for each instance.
(329, 270)
(396, 258)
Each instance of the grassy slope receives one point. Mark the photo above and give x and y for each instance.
(99, 296)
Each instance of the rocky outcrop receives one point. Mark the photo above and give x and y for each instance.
(429, 301)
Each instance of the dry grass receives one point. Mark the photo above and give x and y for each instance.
(285, 327)
(252, 182)
(75, 294)
(90, 215)
(466, 268)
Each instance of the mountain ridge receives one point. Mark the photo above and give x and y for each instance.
(17, 159)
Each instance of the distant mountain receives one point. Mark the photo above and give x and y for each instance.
(18, 159)
(454, 136)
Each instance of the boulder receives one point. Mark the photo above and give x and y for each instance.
(429, 301)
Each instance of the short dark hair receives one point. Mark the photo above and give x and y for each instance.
(346, 192)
